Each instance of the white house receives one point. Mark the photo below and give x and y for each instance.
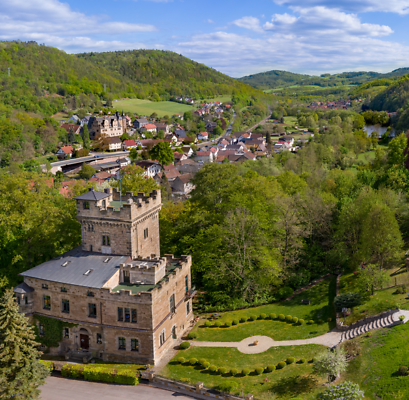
(151, 168)
(202, 136)
(204, 156)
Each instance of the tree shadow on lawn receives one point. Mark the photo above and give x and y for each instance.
(294, 385)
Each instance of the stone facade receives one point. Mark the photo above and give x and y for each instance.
(140, 310)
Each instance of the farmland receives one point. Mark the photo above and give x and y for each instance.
(146, 107)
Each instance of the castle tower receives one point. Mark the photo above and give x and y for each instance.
(123, 225)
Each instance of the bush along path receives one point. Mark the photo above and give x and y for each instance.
(260, 344)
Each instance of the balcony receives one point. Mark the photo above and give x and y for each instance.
(190, 293)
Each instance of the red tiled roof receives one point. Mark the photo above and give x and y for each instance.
(130, 142)
(67, 149)
(203, 153)
(150, 126)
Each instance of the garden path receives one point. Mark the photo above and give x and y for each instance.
(247, 346)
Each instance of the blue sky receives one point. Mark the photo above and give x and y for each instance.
(235, 37)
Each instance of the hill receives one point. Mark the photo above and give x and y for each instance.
(280, 80)
(163, 74)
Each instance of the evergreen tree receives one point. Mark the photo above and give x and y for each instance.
(20, 371)
(85, 136)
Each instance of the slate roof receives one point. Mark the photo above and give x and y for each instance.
(70, 268)
(92, 195)
(180, 133)
(23, 288)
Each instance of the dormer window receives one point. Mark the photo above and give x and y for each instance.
(86, 205)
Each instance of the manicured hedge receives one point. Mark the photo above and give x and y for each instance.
(273, 316)
(228, 386)
(244, 319)
(217, 324)
(184, 345)
(271, 368)
(289, 318)
(295, 320)
(282, 317)
(235, 322)
(181, 360)
(281, 365)
(192, 335)
(222, 370)
(227, 324)
(259, 370)
(208, 323)
(193, 361)
(245, 371)
(300, 321)
(290, 360)
(234, 371)
(263, 316)
(212, 368)
(206, 364)
(253, 317)
(202, 361)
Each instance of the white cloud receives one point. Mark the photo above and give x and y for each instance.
(54, 23)
(394, 6)
(251, 23)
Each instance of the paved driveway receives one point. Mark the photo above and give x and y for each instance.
(57, 388)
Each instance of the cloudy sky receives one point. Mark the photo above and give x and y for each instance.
(233, 36)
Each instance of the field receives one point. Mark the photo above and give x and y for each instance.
(376, 367)
(60, 116)
(222, 99)
(318, 311)
(146, 107)
(293, 380)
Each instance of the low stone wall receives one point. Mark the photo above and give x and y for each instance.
(367, 320)
(198, 391)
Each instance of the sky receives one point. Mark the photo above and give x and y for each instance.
(232, 36)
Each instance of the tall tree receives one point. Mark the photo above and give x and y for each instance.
(20, 371)
(134, 180)
(371, 277)
(85, 136)
(163, 153)
(396, 150)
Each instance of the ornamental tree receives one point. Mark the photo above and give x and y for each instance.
(163, 153)
(345, 390)
(330, 363)
(20, 371)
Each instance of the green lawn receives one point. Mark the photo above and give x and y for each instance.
(382, 300)
(293, 380)
(222, 99)
(319, 311)
(146, 107)
(375, 369)
(290, 120)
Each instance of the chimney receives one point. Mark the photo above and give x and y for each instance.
(90, 189)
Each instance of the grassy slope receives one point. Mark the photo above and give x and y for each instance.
(146, 107)
(319, 311)
(375, 369)
(291, 381)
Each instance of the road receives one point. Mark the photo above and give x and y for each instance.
(227, 133)
(58, 388)
(88, 158)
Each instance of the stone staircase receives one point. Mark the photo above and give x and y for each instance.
(359, 328)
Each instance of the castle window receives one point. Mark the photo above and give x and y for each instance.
(41, 330)
(86, 205)
(134, 345)
(120, 314)
(145, 233)
(106, 241)
(162, 338)
(187, 283)
(18, 300)
(26, 300)
(92, 310)
(127, 315)
(99, 338)
(187, 308)
(64, 290)
(44, 286)
(65, 306)
(90, 247)
(172, 304)
(90, 294)
(47, 303)
(121, 343)
(66, 333)
(134, 316)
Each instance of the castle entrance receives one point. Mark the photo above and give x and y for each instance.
(84, 341)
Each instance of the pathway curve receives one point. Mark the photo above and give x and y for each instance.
(330, 339)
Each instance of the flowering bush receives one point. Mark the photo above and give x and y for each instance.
(330, 363)
(345, 390)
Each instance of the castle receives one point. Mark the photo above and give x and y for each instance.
(123, 301)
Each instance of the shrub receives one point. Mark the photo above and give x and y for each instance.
(184, 345)
(222, 370)
(193, 361)
(244, 319)
(206, 364)
(295, 320)
(72, 371)
(99, 374)
(401, 317)
(345, 390)
(403, 371)
(235, 322)
(288, 318)
(259, 370)
(125, 377)
(217, 324)
(281, 317)
(290, 360)
(212, 368)
(273, 316)
(310, 321)
(300, 321)
(281, 365)
(227, 324)
(285, 292)
(208, 323)
(228, 386)
(347, 300)
(192, 335)
(253, 317)
(48, 364)
(234, 371)
(181, 360)
(263, 316)
(202, 361)
(245, 371)
(302, 361)
(271, 368)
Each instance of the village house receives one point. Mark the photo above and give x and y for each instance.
(151, 167)
(139, 123)
(179, 156)
(182, 184)
(203, 136)
(129, 144)
(204, 156)
(64, 152)
(171, 172)
(101, 177)
(112, 143)
(187, 150)
(151, 128)
(121, 301)
(105, 127)
(76, 129)
(160, 126)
